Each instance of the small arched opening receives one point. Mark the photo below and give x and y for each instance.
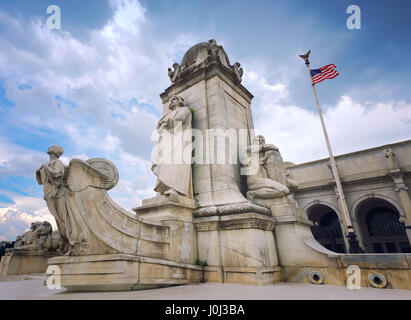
(382, 232)
(326, 229)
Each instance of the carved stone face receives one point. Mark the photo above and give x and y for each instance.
(56, 151)
(35, 225)
(260, 139)
(175, 102)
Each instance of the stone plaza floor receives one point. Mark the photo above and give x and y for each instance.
(32, 288)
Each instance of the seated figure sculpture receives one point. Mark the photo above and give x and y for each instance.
(270, 181)
(39, 237)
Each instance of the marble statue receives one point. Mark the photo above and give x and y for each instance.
(51, 175)
(39, 237)
(172, 155)
(65, 191)
(390, 155)
(30, 252)
(268, 181)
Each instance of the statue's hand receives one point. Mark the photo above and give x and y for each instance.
(162, 126)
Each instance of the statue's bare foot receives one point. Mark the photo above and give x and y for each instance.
(171, 192)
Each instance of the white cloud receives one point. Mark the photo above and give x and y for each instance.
(351, 125)
(101, 81)
(99, 75)
(16, 218)
(19, 161)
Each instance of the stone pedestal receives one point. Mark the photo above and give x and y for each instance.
(117, 272)
(166, 252)
(292, 230)
(175, 213)
(18, 263)
(238, 248)
(161, 208)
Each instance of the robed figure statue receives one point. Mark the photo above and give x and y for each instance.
(172, 154)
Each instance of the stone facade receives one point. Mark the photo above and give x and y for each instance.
(370, 178)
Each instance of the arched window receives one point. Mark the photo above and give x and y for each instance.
(330, 220)
(326, 229)
(384, 222)
(381, 230)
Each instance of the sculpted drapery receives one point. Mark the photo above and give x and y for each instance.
(77, 197)
(172, 154)
(51, 175)
(270, 180)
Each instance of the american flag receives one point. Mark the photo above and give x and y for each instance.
(327, 72)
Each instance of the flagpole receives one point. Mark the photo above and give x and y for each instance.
(353, 242)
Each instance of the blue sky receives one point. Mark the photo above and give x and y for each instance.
(93, 86)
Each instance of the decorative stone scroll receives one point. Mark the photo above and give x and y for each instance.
(236, 208)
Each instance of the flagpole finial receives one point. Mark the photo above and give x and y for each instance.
(305, 57)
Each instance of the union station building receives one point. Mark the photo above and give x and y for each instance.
(376, 184)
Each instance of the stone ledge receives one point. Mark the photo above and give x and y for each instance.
(119, 257)
(205, 74)
(46, 254)
(116, 272)
(257, 275)
(248, 220)
(293, 219)
(161, 201)
(377, 261)
(229, 209)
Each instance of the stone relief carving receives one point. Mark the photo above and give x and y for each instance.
(69, 198)
(271, 179)
(174, 73)
(395, 171)
(390, 155)
(237, 71)
(202, 55)
(39, 237)
(172, 156)
(236, 208)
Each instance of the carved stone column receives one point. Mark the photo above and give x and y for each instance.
(400, 187)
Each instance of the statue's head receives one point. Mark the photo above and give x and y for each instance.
(175, 102)
(46, 227)
(34, 225)
(260, 140)
(56, 151)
